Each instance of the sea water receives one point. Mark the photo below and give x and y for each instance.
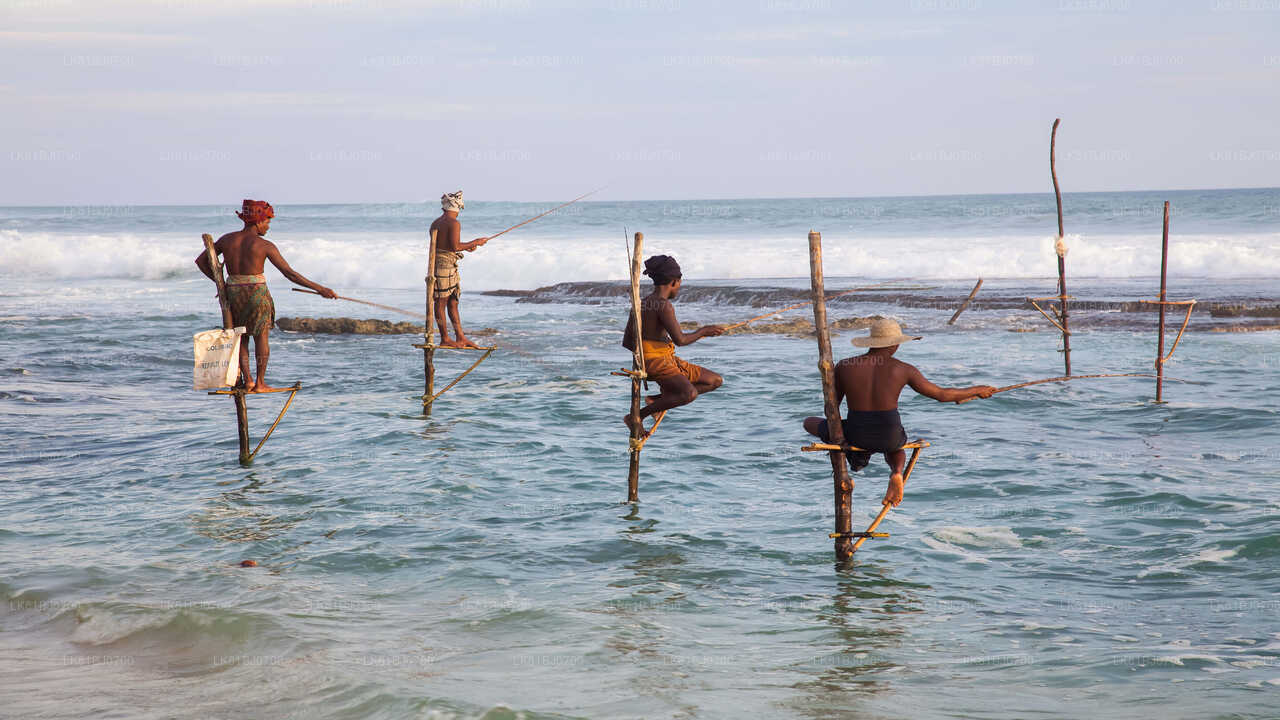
(1066, 550)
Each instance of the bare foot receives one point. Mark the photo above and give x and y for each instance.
(248, 386)
(465, 342)
(893, 495)
(261, 386)
(627, 419)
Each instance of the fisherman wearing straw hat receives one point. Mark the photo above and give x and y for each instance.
(871, 383)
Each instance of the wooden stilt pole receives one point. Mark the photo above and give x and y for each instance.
(429, 339)
(835, 429)
(637, 367)
(1061, 249)
(242, 413)
(972, 293)
(1164, 276)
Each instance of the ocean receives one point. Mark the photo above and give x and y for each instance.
(1065, 550)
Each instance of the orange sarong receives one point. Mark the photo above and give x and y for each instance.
(660, 362)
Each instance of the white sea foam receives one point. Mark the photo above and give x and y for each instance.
(398, 260)
(1211, 555)
(979, 537)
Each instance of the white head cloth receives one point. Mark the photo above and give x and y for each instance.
(451, 201)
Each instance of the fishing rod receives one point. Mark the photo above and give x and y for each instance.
(535, 217)
(809, 302)
(410, 313)
(1065, 378)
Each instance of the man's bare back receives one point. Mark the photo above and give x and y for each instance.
(874, 381)
(244, 252)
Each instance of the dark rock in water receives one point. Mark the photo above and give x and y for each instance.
(1244, 327)
(508, 293)
(347, 326)
(799, 327)
(1243, 310)
(352, 326)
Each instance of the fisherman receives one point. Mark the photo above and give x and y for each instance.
(681, 381)
(244, 253)
(871, 384)
(449, 249)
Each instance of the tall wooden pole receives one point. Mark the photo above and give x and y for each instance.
(1061, 249)
(242, 412)
(429, 335)
(1164, 275)
(835, 429)
(637, 365)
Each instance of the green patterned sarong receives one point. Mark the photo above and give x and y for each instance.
(252, 307)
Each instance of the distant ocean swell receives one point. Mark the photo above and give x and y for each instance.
(398, 260)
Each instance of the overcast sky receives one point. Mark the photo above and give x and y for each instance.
(202, 101)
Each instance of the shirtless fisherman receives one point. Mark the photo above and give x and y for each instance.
(871, 383)
(681, 381)
(244, 253)
(449, 249)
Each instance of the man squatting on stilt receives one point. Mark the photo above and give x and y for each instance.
(449, 249)
(244, 253)
(871, 384)
(681, 382)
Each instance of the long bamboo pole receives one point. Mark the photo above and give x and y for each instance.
(242, 412)
(539, 215)
(637, 367)
(1064, 378)
(1164, 277)
(428, 331)
(410, 313)
(1061, 249)
(843, 484)
(972, 293)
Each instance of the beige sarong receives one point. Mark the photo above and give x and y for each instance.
(448, 281)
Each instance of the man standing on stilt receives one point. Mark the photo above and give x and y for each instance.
(244, 253)
(449, 249)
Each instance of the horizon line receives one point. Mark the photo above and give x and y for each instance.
(658, 200)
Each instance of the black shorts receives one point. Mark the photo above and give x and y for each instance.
(875, 431)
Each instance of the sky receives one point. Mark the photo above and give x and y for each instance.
(209, 101)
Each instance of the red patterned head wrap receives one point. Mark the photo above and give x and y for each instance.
(255, 211)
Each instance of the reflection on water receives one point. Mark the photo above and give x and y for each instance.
(237, 515)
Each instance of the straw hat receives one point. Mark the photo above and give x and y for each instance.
(884, 333)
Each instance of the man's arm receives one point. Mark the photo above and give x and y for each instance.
(667, 318)
(920, 384)
(629, 335)
(452, 239)
(202, 260)
(273, 254)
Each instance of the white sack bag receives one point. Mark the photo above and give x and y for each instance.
(217, 358)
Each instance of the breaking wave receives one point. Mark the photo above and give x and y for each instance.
(398, 260)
